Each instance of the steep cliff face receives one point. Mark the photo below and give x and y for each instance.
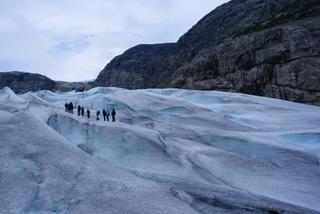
(262, 47)
(223, 22)
(282, 62)
(240, 17)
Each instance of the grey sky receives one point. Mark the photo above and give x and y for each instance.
(74, 39)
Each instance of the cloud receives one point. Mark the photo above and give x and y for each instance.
(74, 39)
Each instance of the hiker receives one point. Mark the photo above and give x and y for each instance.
(104, 113)
(79, 109)
(71, 107)
(82, 111)
(88, 113)
(66, 107)
(113, 113)
(108, 115)
(98, 114)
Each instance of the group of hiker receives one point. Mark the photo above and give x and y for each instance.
(69, 107)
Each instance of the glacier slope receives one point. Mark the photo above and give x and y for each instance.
(171, 151)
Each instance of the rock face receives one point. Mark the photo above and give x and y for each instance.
(282, 62)
(268, 48)
(21, 82)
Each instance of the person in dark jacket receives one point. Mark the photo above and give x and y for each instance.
(98, 115)
(71, 107)
(113, 114)
(82, 111)
(104, 113)
(79, 110)
(88, 113)
(66, 107)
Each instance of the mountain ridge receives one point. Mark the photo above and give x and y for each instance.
(22, 82)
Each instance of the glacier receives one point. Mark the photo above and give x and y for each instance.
(170, 151)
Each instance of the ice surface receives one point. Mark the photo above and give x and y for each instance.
(310, 141)
(170, 151)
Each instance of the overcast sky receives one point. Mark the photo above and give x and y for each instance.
(73, 40)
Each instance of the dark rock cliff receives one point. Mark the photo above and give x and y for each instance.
(282, 62)
(143, 66)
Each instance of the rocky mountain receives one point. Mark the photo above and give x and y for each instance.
(21, 82)
(143, 66)
(262, 47)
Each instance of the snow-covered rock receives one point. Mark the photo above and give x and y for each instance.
(170, 151)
